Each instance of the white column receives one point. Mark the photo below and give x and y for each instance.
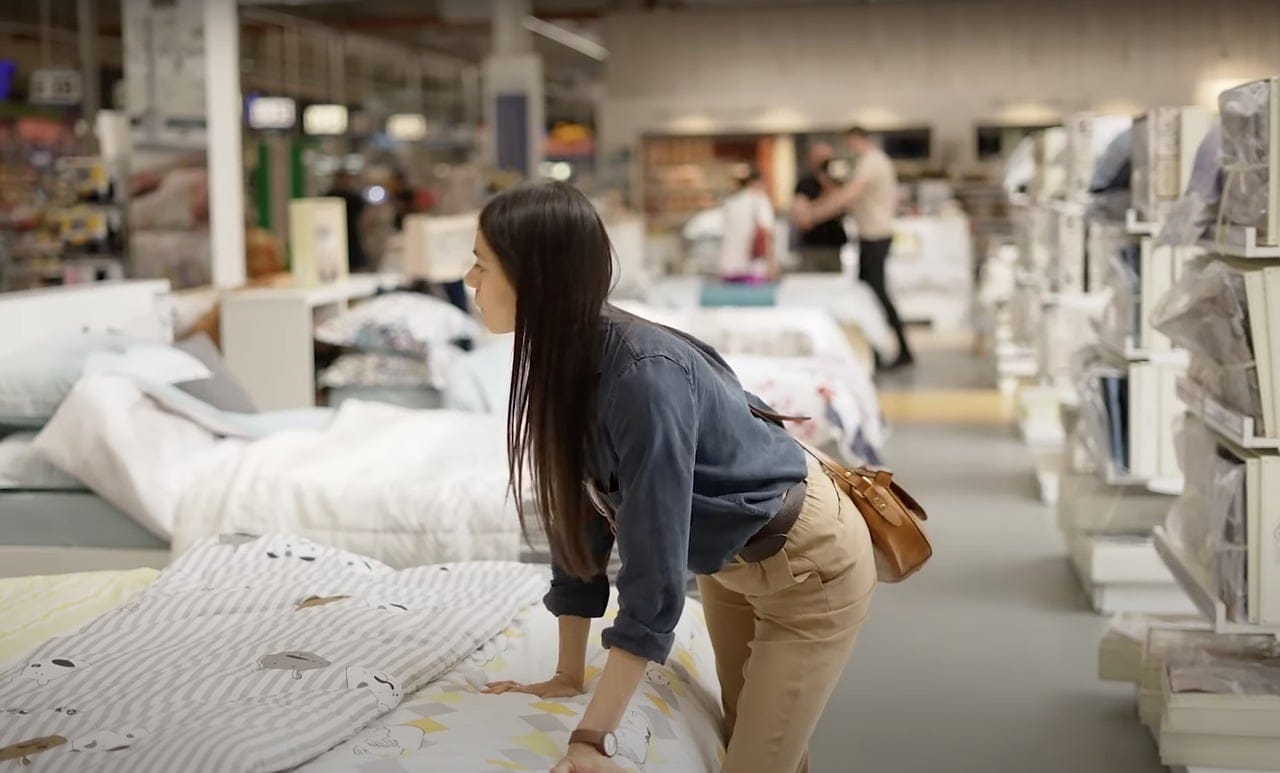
(513, 86)
(226, 162)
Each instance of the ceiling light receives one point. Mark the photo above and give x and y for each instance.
(407, 127)
(325, 119)
(267, 113)
(566, 37)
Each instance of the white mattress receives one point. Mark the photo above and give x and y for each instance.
(450, 725)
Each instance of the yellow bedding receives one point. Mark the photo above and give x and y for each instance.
(33, 609)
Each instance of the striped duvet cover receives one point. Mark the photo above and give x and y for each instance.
(250, 654)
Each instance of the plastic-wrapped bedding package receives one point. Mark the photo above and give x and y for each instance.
(1122, 317)
(1098, 421)
(1240, 673)
(1188, 523)
(1246, 126)
(1207, 313)
(1226, 502)
(376, 369)
(1191, 217)
(1111, 178)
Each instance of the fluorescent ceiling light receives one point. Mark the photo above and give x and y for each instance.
(325, 119)
(407, 127)
(565, 37)
(272, 113)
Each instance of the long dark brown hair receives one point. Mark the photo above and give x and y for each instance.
(556, 253)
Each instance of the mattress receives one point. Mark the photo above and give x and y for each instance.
(450, 725)
(69, 519)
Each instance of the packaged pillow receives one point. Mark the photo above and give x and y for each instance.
(383, 370)
(35, 380)
(405, 323)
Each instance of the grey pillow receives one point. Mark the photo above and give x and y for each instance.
(222, 391)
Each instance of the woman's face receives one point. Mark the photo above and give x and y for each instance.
(495, 296)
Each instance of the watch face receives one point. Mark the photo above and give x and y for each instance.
(610, 745)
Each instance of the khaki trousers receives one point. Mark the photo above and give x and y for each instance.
(783, 629)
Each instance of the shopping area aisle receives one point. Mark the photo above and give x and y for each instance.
(986, 661)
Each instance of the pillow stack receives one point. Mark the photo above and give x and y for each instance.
(398, 341)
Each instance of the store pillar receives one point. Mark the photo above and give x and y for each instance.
(513, 90)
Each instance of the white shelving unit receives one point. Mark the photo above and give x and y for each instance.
(1234, 426)
(268, 335)
(1198, 588)
(1136, 226)
(1240, 243)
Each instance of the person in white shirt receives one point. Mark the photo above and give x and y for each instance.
(747, 247)
(872, 197)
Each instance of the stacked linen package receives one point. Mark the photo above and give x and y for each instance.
(1107, 516)
(1221, 706)
(398, 348)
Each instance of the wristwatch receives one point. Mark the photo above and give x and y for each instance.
(604, 742)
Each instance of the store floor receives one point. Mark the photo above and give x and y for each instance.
(986, 661)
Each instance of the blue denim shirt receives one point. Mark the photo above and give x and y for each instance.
(690, 474)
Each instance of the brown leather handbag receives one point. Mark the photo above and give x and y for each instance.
(894, 518)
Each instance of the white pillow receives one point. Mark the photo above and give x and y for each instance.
(34, 381)
(406, 323)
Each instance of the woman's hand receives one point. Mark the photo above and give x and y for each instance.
(558, 686)
(584, 759)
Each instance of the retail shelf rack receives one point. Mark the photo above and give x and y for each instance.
(1233, 426)
(1198, 588)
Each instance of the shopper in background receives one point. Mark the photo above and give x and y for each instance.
(641, 437)
(746, 251)
(872, 196)
(820, 242)
(347, 188)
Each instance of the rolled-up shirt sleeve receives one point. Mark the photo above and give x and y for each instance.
(651, 423)
(570, 595)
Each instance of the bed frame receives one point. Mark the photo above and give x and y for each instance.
(140, 308)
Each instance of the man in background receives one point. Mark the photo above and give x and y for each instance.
(820, 242)
(872, 196)
(347, 188)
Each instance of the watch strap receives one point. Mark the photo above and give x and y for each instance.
(592, 738)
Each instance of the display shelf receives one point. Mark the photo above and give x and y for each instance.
(1136, 226)
(1091, 303)
(1106, 559)
(1201, 769)
(1234, 426)
(1048, 472)
(1170, 487)
(1177, 358)
(1240, 242)
(1198, 588)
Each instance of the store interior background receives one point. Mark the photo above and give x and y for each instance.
(989, 661)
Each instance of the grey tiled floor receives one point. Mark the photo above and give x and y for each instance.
(986, 661)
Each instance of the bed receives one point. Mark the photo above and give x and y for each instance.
(797, 360)
(51, 522)
(429, 715)
(146, 468)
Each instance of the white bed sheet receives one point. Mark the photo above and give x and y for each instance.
(450, 725)
(405, 487)
(21, 467)
(840, 296)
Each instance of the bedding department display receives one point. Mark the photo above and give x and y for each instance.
(797, 361)
(312, 644)
(403, 486)
(673, 724)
